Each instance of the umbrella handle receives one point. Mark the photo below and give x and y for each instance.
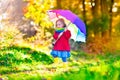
(69, 24)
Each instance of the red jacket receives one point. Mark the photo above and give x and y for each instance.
(63, 42)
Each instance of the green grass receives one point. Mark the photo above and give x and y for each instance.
(20, 63)
(18, 55)
(16, 59)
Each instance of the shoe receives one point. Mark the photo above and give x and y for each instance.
(65, 65)
(56, 60)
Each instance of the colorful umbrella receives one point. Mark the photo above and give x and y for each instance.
(76, 25)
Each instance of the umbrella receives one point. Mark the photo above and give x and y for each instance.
(75, 24)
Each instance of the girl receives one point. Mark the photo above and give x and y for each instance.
(61, 47)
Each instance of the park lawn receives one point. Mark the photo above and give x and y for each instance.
(21, 63)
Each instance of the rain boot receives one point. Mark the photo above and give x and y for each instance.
(56, 60)
(55, 64)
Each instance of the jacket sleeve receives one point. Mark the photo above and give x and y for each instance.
(55, 36)
(67, 34)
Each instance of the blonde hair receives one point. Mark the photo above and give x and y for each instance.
(61, 20)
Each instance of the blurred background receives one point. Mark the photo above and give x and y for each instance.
(26, 36)
(33, 26)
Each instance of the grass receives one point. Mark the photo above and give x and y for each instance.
(21, 63)
(16, 59)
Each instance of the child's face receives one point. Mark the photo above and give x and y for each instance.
(59, 24)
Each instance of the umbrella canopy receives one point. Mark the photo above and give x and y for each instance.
(77, 27)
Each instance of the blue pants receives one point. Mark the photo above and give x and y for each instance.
(61, 54)
(64, 59)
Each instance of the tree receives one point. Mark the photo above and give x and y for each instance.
(111, 16)
(84, 11)
(58, 2)
(12, 9)
(105, 20)
(95, 22)
(36, 11)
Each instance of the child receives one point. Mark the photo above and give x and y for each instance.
(61, 47)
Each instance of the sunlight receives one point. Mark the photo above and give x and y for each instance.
(27, 32)
(93, 4)
(4, 15)
(32, 23)
(92, 35)
(115, 9)
(113, 30)
(0, 18)
(85, 2)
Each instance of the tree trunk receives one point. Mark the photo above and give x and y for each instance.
(96, 14)
(111, 15)
(95, 8)
(84, 11)
(105, 14)
(94, 44)
(58, 2)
